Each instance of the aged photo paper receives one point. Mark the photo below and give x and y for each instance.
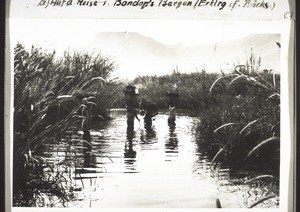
(150, 105)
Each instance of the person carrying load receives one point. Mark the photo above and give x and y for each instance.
(130, 93)
(173, 98)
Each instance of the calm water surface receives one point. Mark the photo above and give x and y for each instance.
(156, 167)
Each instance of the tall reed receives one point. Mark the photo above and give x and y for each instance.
(245, 122)
(48, 93)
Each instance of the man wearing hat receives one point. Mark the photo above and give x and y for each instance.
(173, 98)
(131, 94)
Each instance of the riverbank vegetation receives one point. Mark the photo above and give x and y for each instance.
(193, 88)
(239, 112)
(239, 117)
(48, 100)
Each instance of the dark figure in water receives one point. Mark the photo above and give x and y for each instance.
(131, 114)
(129, 152)
(173, 98)
(218, 203)
(131, 103)
(172, 115)
(148, 109)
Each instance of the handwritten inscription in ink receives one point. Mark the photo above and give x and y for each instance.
(136, 3)
(176, 4)
(54, 3)
(62, 3)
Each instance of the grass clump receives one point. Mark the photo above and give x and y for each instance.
(48, 93)
(246, 120)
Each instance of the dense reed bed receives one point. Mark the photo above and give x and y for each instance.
(242, 130)
(50, 94)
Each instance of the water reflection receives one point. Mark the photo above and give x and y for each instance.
(172, 142)
(129, 152)
(151, 155)
(148, 135)
(88, 158)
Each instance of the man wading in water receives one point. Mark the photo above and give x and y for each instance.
(172, 102)
(131, 94)
(150, 110)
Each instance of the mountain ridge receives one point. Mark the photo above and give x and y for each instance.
(138, 54)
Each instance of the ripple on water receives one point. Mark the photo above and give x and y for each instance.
(152, 167)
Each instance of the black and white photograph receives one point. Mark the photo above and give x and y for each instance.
(145, 114)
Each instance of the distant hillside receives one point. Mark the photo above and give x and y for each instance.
(140, 55)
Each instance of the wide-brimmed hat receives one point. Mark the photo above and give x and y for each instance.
(130, 89)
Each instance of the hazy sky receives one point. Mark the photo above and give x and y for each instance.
(75, 34)
(65, 33)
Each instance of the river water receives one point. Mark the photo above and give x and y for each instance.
(157, 167)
